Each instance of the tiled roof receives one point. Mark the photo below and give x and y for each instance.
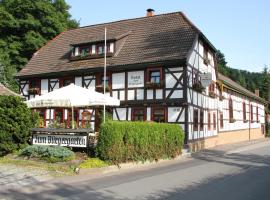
(232, 84)
(142, 40)
(7, 92)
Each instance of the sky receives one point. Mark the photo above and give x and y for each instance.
(239, 28)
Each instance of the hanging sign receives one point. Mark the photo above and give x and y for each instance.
(206, 79)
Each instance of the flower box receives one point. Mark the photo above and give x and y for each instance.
(33, 91)
(100, 88)
(198, 87)
(212, 94)
(154, 85)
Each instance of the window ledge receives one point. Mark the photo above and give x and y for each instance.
(88, 56)
(150, 85)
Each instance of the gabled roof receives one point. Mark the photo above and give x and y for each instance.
(159, 38)
(7, 92)
(235, 86)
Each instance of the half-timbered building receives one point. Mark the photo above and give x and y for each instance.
(154, 66)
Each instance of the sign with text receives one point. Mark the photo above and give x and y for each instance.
(206, 79)
(136, 79)
(60, 140)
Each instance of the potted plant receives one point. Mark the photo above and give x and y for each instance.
(212, 94)
(34, 91)
(150, 84)
(198, 87)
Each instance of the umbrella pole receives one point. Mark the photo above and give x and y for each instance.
(72, 113)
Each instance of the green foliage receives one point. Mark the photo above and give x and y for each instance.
(25, 26)
(249, 80)
(48, 153)
(138, 141)
(15, 122)
(93, 163)
(267, 129)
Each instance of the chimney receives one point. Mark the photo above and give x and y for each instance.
(257, 93)
(150, 12)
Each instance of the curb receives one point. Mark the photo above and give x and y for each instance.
(131, 165)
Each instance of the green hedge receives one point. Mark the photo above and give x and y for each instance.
(138, 141)
(15, 121)
(268, 129)
(48, 153)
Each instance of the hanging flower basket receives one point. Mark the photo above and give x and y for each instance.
(198, 87)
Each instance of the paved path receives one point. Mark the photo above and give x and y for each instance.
(12, 176)
(240, 172)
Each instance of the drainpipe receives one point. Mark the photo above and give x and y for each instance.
(249, 121)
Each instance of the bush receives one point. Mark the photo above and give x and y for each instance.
(267, 129)
(138, 141)
(48, 153)
(93, 163)
(15, 122)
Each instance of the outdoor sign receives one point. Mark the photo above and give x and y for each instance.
(60, 140)
(136, 79)
(206, 79)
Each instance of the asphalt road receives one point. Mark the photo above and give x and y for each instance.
(229, 172)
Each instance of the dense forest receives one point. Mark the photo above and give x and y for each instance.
(25, 26)
(249, 80)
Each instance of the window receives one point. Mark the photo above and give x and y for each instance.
(201, 119)
(158, 114)
(211, 87)
(34, 83)
(76, 118)
(257, 114)
(86, 119)
(195, 120)
(85, 50)
(214, 121)
(251, 113)
(100, 48)
(100, 82)
(106, 81)
(205, 55)
(244, 112)
(138, 114)
(34, 86)
(154, 76)
(59, 115)
(42, 115)
(221, 120)
(209, 121)
(231, 111)
(66, 81)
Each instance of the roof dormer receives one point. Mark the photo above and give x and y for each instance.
(92, 50)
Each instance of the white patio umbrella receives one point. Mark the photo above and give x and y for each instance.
(72, 96)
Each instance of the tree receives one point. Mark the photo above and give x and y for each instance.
(26, 25)
(16, 121)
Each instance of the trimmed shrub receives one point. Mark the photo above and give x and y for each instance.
(267, 129)
(138, 141)
(15, 122)
(48, 153)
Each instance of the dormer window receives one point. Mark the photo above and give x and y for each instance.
(85, 50)
(94, 50)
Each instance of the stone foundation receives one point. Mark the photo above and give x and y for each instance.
(227, 137)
